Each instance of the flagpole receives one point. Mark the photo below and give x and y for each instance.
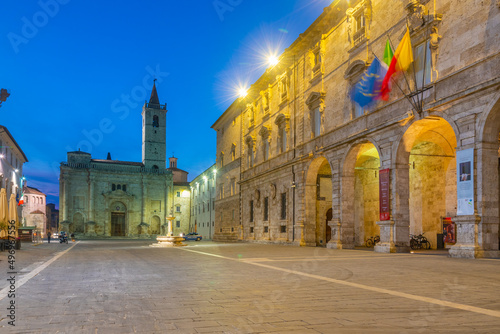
(425, 59)
(397, 85)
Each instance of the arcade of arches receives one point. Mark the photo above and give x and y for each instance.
(343, 212)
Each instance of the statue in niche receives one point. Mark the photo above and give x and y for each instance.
(434, 47)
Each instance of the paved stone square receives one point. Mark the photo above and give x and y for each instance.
(121, 286)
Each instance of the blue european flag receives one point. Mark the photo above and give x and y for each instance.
(366, 91)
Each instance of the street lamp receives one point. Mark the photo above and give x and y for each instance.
(272, 60)
(242, 92)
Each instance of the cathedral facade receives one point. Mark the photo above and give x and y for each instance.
(301, 163)
(111, 198)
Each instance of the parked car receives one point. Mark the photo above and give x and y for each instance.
(192, 236)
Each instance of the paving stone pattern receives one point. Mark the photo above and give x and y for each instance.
(125, 286)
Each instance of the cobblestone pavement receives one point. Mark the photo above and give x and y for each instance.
(127, 287)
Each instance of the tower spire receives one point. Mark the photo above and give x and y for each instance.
(154, 94)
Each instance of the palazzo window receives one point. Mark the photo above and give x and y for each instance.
(250, 115)
(283, 206)
(233, 186)
(283, 87)
(250, 142)
(316, 104)
(265, 134)
(358, 22)
(422, 63)
(251, 211)
(282, 121)
(266, 208)
(266, 99)
(221, 160)
(156, 122)
(317, 122)
(233, 152)
(353, 74)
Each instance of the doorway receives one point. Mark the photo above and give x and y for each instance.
(117, 224)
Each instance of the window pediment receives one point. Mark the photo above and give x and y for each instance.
(265, 131)
(315, 100)
(281, 119)
(250, 140)
(355, 68)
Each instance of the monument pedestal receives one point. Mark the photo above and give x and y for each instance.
(169, 241)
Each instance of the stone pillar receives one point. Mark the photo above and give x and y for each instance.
(487, 183)
(386, 244)
(467, 245)
(400, 207)
(336, 240)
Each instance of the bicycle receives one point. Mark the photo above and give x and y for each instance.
(419, 242)
(372, 241)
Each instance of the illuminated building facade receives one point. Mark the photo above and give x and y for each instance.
(34, 209)
(12, 159)
(310, 167)
(111, 198)
(203, 203)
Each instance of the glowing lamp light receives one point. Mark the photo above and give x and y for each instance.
(273, 60)
(1, 156)
(16, 170)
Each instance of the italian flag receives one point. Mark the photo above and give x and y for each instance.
(400, 61)
(21, 200)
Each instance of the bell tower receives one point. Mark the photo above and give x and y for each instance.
(154, 126)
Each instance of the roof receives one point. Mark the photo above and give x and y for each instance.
(173, 169)
(37, 212)
(118, 162)
(154, 95)
(14, 141)
(33, 191)
(183, 184)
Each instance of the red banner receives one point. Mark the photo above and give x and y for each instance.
(384, 195)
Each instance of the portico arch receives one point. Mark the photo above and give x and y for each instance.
(318, 198)
(424, 179)
(360, 194)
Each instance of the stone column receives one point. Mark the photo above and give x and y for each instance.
(336, 240)
(386, 244)
(400, 207)
(467, 245)
(487, 183)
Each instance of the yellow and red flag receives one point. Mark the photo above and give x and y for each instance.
(403, 57)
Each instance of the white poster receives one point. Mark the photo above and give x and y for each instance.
(465, 182)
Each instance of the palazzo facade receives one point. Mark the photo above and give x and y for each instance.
(106, 198)
(300, 163)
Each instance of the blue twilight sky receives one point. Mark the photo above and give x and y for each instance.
(79, 72)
